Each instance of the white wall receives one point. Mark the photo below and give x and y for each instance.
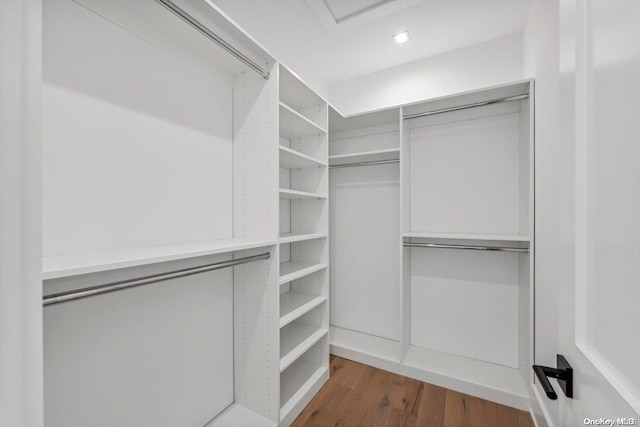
(482, 65)
(20, 231)
(541, 61)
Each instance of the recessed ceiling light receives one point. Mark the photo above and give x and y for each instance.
(402, 37)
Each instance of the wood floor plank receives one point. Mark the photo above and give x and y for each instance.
(430, 405)
(359, 404)
(360, 395)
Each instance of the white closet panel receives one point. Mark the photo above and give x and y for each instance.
(466, 303)
(137, 147)
(157, 355)
(465, 176)
(364, 214)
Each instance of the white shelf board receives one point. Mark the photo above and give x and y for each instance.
(292, 270)
(295, 339)
(375, 351)
(295, 125)
(290, 238)
(55, 267)
(367, 156)
(292, 159)
(467, 236)
(237, 415)
(482, 379)
(299, 380)
(285, 193)
(295, 92)
(294, 304)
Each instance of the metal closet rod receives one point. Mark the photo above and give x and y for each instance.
(463, 107)
(469, 247)
(371, 163)
(132, 283)
(172, 7)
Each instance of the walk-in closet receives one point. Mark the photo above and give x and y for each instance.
(222, 213)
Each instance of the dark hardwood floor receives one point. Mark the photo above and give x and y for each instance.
(360, 395)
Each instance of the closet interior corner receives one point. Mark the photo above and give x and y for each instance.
(212, 223)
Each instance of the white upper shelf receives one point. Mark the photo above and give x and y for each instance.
(295, 125)
(367, 156)
(467, 236)
(292, 159)
(299, 195)
(55, 267)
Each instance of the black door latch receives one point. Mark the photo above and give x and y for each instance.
(563, 373)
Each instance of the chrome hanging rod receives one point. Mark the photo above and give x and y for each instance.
(374, 162)
(172, 7)
(132, 283)
(463, 107)
(475, 248)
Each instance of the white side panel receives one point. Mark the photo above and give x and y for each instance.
(157, 355)
(137, 144)
(365, 213)
(466, 176)
(20, 213)
(466, 303)
(255, 325)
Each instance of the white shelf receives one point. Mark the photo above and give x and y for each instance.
(295, 339)
(487, 380)
(292, 159)
(285, 193)
(292, 270)
(291, 238)
(55, 267)
(237, 415)
(299, 380)
(368, 156)
(294, 304)
(375, 351)
(468, 236)
(295, 125)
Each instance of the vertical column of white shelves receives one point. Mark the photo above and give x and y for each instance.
(303, 245)
(467, 224)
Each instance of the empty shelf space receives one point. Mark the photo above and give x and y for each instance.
(467, 236)
(368, 156)
(285, 193)
(449, 370)
(292, 270)
(295, 125)
(71, 265)
(295, 93)
(297, 381)
(294, 304)
(292, 159)
(295, 339)
(290, 238)
(238, 415)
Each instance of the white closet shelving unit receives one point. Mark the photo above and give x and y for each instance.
(365, 237)
(303, 245)
(457, 310)
(160, 153)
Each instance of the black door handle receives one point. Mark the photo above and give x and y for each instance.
(563, 373)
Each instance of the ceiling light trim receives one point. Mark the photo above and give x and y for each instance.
(364, 15)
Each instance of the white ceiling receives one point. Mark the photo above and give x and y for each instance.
(323, 53)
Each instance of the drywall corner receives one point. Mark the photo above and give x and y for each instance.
(482, 65)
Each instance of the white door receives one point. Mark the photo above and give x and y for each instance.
(600, 209)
